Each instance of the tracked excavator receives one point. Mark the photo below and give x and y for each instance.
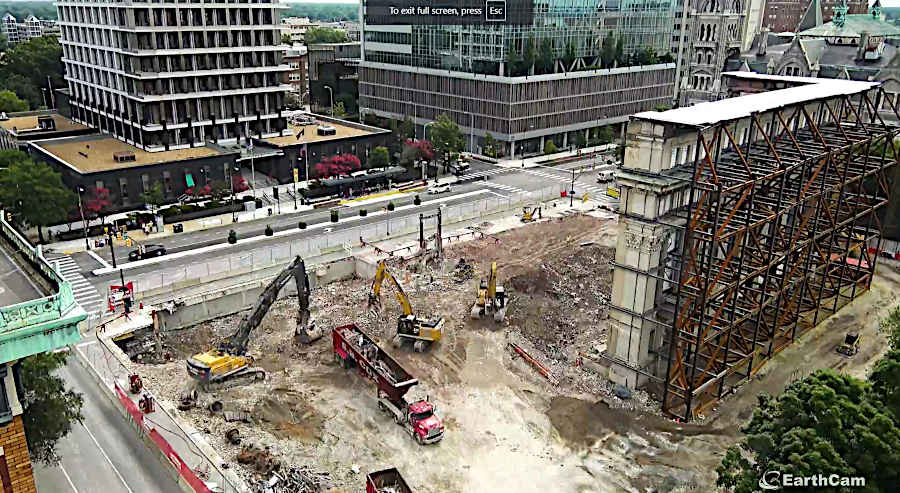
(422, 332)
(230, 361)
(491, 297)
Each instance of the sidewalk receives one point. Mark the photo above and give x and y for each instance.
(546, 159)
(223, 220)
(187, 451)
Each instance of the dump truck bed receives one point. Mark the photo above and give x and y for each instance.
(374, 363)
(386, 481)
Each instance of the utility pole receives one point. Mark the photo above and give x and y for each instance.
(572, 189)
(252, 168)
(233, 212)
(50, 90)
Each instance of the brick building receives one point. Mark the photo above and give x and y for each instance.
(298, 77)
(785, 15)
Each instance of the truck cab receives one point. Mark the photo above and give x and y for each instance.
(426, 425)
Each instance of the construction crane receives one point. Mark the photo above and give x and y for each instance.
(421, 331)
(491, 297)
(230, 360)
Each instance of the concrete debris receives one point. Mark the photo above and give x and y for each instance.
(232, 416)
(216, 407)
(259, 458)
(295, 480)
(187, 399)
(355, 468)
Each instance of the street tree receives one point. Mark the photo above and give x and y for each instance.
(550, 147)
(34, 193)
(605, 136)
(98, 204)
(49, 408)
(607, 54)
(337, 166)
(380, 157)
(825, 424)
(10, 103)
(490, 144)
(416, 150)
(446, 138)
(339, 110)
(154, 197)
(291, 101)
(4, 43)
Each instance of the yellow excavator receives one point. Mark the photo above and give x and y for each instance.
(530, 214)
(491, 297)
(421, 331)
(230, 361)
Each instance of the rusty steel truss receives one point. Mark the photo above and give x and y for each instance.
(775, 239)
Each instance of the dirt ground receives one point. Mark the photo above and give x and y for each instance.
(508, 429)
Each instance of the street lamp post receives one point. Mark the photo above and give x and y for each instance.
(252, 168)
(83, 221)
(425, 137)
(415, 117)
(331, 98)
(233, 212)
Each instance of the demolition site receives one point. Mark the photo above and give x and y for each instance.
(579, 351)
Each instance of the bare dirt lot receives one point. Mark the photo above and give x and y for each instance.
(508, 429)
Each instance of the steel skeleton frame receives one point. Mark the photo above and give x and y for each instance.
(775, 239)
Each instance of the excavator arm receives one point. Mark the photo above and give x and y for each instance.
(492, 282)
(238, 344)
(380, 275)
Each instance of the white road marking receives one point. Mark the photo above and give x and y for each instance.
(498, 194)
(63, 469)
(107, 458)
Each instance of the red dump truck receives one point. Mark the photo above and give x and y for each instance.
(386, 481)
(353, 348)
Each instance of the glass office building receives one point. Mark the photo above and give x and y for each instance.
(464, 72)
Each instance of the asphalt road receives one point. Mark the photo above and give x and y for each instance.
(15, 285)
(102, 454)
(500, 182)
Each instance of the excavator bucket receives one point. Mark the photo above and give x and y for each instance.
(309, 335)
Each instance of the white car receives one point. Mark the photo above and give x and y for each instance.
(439, 189)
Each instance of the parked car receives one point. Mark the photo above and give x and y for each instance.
(147, 251)
(439, 189)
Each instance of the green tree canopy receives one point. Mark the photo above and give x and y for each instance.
(569, 57)
(36, 59)
(607, 54)
(513, 61)
(24, 89)
(550, 147)
(320, 35)
(339, 111)
(154, 196)
(619, 52)
(823, 424)
(380, 157)
(49, 408)
(446, 138)
(9, 103)
(529, 54)
(34, 193)
(546, 59)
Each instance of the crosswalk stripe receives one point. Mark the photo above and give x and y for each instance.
(93, 296)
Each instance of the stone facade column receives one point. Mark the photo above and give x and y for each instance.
(17, 472)
(642, 274)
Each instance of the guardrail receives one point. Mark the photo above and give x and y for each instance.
(48, 308)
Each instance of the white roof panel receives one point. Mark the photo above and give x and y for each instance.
(704, 114)
(775, 78)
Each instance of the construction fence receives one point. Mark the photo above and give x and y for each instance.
(345, 239)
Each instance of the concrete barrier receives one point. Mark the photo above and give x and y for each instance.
(216, 303)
